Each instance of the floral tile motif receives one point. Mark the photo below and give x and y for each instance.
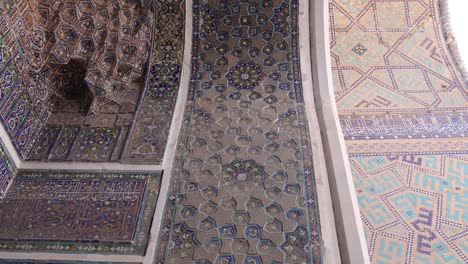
(78, 212)
(147, 140)
(242, 189)
(403, 111)
(242, 176)
(245, 75)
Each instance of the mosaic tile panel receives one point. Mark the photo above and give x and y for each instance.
(18, 112)
(148, 138)
(414, 207)
(61, 143)
(405, 65)
(447, 125)
(23, 110)
(411, 146)
(78, 212)
(139, 115)
(242, 188)
(403, 110)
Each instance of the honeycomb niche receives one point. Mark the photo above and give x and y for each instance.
(101, 43)
(73, 66)
(71, 92)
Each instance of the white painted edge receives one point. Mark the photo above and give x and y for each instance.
(350, 231)
(171, 147)
(11, 152)
(330, 249)
(5, 138)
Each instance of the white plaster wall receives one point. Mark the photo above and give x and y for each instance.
(330, 249)
(348, 223)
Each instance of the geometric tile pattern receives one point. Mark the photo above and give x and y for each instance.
(403, 111)
(128, 123)
(405, 66)
(21, 112)
(414, 208)
(148, 138)
(78, 212)
(84, 47)
(408, 126)
(242, 188)
(408, 146)
(74, 143)
(43, 44)
(124, 125)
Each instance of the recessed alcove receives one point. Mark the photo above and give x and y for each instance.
(71, 93)
(75, 68)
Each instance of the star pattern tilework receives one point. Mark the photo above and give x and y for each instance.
(242, 189)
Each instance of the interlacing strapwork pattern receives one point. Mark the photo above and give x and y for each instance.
(403, 111)
(242, 187)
